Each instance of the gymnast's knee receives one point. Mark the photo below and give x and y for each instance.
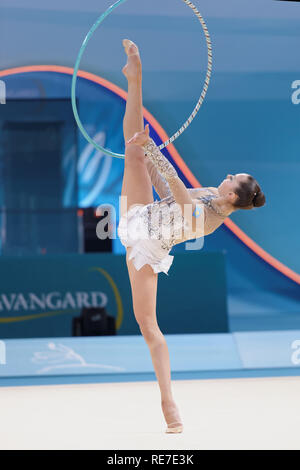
(151, 333)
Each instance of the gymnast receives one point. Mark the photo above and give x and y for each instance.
(147, 253)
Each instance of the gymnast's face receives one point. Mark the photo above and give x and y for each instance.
(230, 183)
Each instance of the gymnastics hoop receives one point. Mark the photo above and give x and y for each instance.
(197, 107)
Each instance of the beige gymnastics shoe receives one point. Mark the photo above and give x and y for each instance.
(133, 69)
(130, 47)
(176, 429)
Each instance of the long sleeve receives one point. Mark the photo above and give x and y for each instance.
(159, 182)
(162, 164)
(177, 187)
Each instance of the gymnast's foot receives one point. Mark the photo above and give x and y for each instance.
(133, 68)
(172, 417)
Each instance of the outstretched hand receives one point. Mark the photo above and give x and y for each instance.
(140, 138)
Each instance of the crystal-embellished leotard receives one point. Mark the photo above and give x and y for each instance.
(153, 229)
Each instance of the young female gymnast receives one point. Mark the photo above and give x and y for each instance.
(143, 220)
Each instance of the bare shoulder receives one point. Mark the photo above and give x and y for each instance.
(213, 189)
(198, 191)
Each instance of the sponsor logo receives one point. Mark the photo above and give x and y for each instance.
(19, 302)
(46, 304)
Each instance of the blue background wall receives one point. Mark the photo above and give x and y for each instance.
(248, 122)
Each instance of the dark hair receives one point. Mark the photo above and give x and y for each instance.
(249, 195)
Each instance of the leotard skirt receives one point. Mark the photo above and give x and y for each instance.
(133, 232)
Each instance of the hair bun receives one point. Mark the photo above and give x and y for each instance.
(259, 199)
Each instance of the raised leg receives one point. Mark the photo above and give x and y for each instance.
(133, 120)
(137, 185)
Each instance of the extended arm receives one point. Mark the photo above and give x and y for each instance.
(160, 184)
(180, 192)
